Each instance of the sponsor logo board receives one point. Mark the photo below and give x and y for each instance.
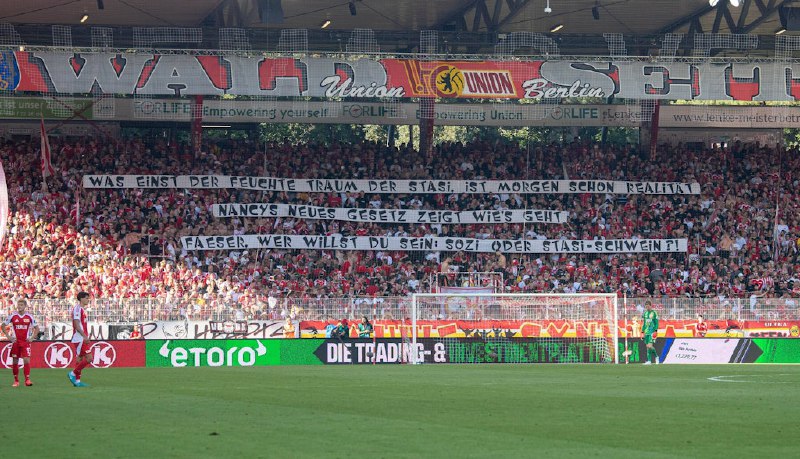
(61, 354)
(212, 353)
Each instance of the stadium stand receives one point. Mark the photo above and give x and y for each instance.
(125, 244)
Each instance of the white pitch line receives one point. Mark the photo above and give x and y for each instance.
(721, 378)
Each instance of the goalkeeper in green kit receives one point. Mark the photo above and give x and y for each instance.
(650, 331)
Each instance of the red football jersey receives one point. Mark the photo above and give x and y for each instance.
(702, 328)
(79, 313)
(22, 324)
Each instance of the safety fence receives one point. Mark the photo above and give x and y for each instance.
(272, 308)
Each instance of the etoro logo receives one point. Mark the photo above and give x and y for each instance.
(58, 355)
(104, 354)
(239, 353)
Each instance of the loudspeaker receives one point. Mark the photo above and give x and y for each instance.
(790, 17)
(270, 11)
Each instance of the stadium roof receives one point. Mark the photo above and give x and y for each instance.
(470, 23)
(185, 13)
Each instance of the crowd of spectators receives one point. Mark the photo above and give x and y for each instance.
(126, 243)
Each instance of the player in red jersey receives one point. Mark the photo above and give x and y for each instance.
(24, 326)
(702, 326)
(80, 338)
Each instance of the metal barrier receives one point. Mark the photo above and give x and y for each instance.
(753, 308)
(219, 309)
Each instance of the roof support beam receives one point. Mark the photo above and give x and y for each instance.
(514, 8)
(688, 19)
(229, 13)
(723, 18)
(483, 15)
(772, 8)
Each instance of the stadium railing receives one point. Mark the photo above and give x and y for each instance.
(221, 309)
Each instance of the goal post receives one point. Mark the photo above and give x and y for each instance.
(514, 328)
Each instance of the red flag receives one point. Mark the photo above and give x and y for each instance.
(447, 330)
(3, 204)
(47, 164)
(654, 130)
(77, 207)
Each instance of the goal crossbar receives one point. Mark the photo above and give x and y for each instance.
(549, 301)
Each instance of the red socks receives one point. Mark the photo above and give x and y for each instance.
(80, 366)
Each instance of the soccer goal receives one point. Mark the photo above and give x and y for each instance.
(513, 328)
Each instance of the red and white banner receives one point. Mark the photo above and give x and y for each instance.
(772, 329)
(61, 354)
(562, 329)
(47, 163)
(445, 328)
(153, 74)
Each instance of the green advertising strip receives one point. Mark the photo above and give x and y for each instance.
(778, 350)
(300, 351)
(433, 350)
(553, 350)
(30, 108)
(267, 352)
(213, 353)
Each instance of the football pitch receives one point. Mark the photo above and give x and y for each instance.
(407, 411)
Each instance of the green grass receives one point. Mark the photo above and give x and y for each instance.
(406, 411)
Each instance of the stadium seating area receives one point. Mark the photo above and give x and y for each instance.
(125, 243)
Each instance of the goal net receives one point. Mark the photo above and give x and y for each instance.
(513, 328)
